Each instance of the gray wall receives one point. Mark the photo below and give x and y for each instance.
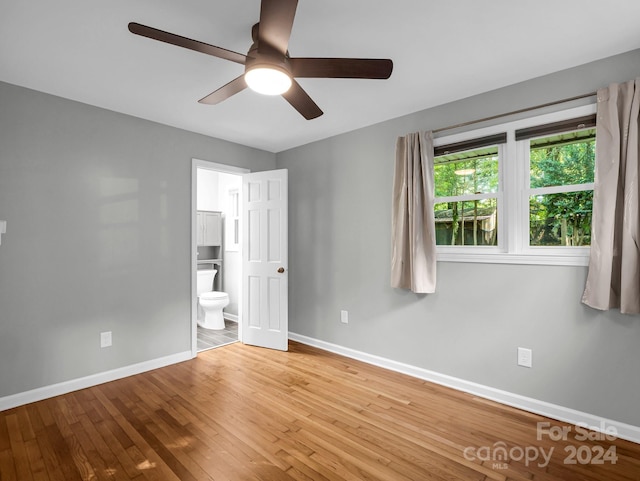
(339, 241)
(98, 211)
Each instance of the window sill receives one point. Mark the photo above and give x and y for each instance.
(504, 258)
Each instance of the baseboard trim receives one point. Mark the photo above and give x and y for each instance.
(230, 317)
(553, 411)
(65, 387)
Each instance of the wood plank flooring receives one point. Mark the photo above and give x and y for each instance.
(241, 413)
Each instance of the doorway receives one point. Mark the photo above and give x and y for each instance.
(216, 193)
(263, 237)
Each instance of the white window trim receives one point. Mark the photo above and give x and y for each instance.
(232, 218)
(513, 203)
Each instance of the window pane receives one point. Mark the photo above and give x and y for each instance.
(560, 219)
(471, 172)
(563, 159)
(472, 223)
(234, 200)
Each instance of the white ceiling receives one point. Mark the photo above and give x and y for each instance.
(442, 50)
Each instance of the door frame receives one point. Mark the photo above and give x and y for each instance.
(228, 169)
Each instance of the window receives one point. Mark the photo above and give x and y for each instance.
(233, 221)
(561, 189)
(561, 169)
(520, 192)
(467, 192)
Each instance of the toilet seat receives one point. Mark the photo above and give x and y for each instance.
(213, 295)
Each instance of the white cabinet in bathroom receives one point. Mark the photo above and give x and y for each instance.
(209, 228)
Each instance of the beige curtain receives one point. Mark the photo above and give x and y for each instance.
(413, 240)
(614, 266)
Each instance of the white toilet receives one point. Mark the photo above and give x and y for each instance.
(210, 303)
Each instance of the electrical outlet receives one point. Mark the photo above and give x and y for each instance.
(525, 357)
(344, 317)
(105, 339)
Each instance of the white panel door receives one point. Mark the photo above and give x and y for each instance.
(265, 272)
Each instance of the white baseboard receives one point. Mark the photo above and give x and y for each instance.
(230, 317)
(553, 411)
(46, 392)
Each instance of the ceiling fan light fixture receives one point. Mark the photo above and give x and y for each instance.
(268, 68)
(268, 80)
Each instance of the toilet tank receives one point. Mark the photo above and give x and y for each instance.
(204, 280)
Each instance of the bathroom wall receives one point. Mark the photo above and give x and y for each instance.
(339, 241)
(207, 197)
(98, 211)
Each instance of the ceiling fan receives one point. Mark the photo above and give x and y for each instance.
(268, 67)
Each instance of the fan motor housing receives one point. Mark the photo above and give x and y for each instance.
(269, 57)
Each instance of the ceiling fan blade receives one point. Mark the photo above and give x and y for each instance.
(365, 68)
(300, 100)
(276, 22)
(184, 42)
(224, 92)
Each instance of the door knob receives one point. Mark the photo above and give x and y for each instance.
(281, 270)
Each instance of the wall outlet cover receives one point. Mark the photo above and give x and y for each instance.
(525, 357)
(105, 339)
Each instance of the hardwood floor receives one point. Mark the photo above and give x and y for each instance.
(241, 413)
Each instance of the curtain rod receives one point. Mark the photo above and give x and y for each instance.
(513, 112)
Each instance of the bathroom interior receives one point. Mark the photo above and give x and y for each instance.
(218, 281)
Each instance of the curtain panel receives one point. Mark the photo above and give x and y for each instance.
(413, 240)
(614, 265)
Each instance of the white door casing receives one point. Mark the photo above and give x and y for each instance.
(265, 260)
